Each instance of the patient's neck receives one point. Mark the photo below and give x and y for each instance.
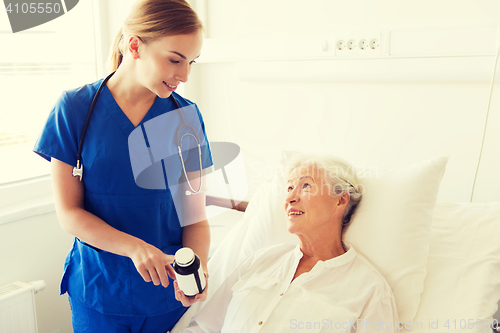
(320, 251)
(320, 243)
(315, 249)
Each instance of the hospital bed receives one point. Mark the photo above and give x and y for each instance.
(442, 259)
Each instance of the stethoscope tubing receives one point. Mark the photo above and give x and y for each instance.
(78, 170)
(89, 114)
(179, 146)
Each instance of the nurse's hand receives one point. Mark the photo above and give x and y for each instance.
(190, 300)
(153, 264)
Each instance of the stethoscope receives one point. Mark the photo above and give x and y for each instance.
(78, 170)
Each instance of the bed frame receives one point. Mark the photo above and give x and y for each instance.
(226, 203)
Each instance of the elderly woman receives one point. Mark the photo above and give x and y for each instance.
(320, 285)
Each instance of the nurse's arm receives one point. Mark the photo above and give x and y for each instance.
(74, 219)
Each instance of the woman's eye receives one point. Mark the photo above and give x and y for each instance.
(174, 61)
(192, 62)
(306, 185)
(289, 189)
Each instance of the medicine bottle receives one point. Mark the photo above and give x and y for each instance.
(189, 272)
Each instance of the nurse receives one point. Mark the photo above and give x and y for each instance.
(117, 272)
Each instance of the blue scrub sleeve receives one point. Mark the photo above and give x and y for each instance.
(59, 137)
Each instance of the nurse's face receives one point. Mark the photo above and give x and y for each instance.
(165, 62)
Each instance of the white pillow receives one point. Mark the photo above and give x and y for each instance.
(463, 269)
(391, 228)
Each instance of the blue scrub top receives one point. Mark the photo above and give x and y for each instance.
(104, 281)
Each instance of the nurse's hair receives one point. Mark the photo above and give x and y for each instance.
(151, 19)
(339, 175)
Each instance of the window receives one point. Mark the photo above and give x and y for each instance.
(36, 66)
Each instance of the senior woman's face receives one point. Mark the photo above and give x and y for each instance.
(308, 203)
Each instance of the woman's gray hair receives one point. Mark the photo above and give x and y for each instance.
(340, 176)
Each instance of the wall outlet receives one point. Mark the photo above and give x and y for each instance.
(358, 44)
(371, 46)
(351, 45)
(364, 44)
(341, 45)
(345, 47)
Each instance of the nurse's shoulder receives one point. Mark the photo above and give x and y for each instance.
(73, 104)
(80, 97)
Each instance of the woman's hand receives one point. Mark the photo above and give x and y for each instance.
(153, 264)
(190, 300)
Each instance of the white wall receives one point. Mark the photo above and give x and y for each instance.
(31, 249)
(265, 104)
(275, 18)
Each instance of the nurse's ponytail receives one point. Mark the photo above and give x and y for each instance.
(116, 55)
(151, 19)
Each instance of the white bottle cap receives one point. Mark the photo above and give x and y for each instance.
(184, 257)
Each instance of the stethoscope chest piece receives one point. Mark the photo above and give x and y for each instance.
(78, 170)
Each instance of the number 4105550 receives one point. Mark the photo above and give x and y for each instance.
(32, 8)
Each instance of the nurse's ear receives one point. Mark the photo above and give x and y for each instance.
(133, 46)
